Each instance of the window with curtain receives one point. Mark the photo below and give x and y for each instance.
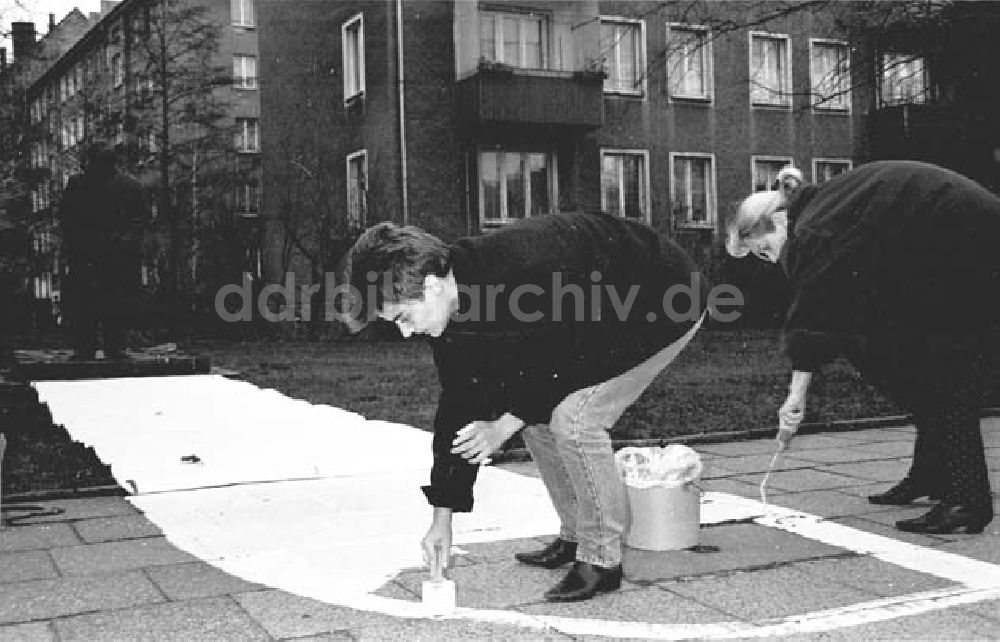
(770, 77)
(688, 62)
(623, 52)
(826, 168)
(624, 185)
(357, 188)
(765, 172)
(830, 72)
(514, 185)
(244, 71)
(904, 79)
(693, 189)
(353, 43)
(242, 11)
(515, 39)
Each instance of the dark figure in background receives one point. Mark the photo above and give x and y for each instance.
(895, 266)
(104, 212)
(10, 249)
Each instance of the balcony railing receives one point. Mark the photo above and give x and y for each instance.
(512, 96)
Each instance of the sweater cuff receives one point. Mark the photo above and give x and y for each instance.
(810, 350)
(457, 502)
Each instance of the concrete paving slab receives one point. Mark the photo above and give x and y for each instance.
(26, 565)
(871, 575)
(873, 435)
(492, 586)
(758, 464)
(106, 529)
(740, 546)
(453, 631)
(770, 593)
(876, 528)
(503, 550)
(328, 637)
(37, 537)
(938, 625)
(828, 503)
(30, 632)
(118, 556)
(73, 509)
(889, 470)
(45, 599)
(217, 619)
(985, 547)
(284, 615)
(735, 486)
(844, 454)
(884, 449)
(650, 604)
(989, 610)
(799, 480)
(197, 580)
(738, 448)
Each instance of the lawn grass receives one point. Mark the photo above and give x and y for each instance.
(724, 381)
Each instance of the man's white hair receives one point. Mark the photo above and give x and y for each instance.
(755, 208)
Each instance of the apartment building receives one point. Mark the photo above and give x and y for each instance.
(463, 116)
(174, 83)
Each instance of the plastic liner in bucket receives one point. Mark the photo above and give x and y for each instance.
(664, 502)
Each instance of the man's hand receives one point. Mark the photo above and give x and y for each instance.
(792, 412)
(480, 439)
(438, 535)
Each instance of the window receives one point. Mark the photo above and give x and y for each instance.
(245, 72)
(248, 198)
(770, 71)
(904, 79)
(689, 62)
(623, 51)
(826, 168)
(692, 189)
(117, 70)
(765, 171)
(352, 36)
(247, 135)
(357, 188)
(830, 72)
(625, 183)
(514, 185)
(242, 13)
(515, 39)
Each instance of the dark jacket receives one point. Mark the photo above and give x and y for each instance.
(569, 335)
(890, 250)
(102, 220)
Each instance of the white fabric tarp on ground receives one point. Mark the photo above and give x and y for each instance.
(308, 498)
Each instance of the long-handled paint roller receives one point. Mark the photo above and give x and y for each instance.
(438, 593)
(786, 430)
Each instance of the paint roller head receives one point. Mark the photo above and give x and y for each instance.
(438, 593)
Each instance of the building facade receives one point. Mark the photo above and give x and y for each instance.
(462, 116)
(174, 84)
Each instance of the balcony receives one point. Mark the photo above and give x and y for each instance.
(510, 96)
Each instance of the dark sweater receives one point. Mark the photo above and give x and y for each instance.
(889, 250)
(492, 362)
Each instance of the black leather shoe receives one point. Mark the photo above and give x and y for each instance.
(584, 581)
(946, 517)
(903, 493)
(554, 555)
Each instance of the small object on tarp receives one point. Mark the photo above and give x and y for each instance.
(191, 459)
(438, 593)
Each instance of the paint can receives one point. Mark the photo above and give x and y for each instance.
(438, 593)
(664, 503)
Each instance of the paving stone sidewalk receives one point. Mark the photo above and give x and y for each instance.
(99, 570)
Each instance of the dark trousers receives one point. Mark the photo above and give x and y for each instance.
(939, 377)
(99, 303)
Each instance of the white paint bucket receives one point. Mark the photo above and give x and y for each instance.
(663, 518)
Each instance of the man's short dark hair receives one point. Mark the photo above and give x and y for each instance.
(394, 260)
(101, 155)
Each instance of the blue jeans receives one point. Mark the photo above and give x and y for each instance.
(576, 462)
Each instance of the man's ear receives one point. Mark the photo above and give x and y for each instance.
(789, 183)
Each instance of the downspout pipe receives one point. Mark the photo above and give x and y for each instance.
(402, 111)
